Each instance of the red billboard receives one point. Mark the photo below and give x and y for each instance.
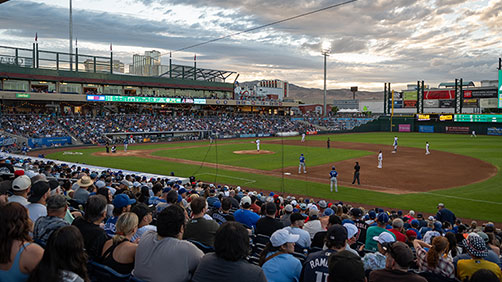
(439, 94)
(410, 103)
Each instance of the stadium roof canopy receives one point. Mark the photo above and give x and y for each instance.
(452, 84)
(189, 72)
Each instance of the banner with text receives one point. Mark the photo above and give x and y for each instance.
(457, 129)
(49, 141)
(405, 128)
(426, 128)
(494, 131)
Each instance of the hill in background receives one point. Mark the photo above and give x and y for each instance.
(315, 95)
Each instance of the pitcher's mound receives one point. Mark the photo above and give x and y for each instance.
(120, 153)
(254, 152)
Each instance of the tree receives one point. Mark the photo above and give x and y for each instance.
(334, 110)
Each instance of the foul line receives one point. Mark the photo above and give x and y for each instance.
(461, 198)
(226, 176)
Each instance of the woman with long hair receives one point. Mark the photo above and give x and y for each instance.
(436, 260)
(452, 248)
(18, 256)
(118, 252)
(64, 258)
(109, 198)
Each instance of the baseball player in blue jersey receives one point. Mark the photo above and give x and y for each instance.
(302, 164)
(332, 176)
(395, 145)
(126, 142)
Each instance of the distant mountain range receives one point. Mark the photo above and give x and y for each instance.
(315, 95)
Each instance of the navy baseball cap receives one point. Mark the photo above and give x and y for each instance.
(182, 190)
(383, 217)
(122, 200)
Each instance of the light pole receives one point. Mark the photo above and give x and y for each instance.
(71, 38)
(325, 52)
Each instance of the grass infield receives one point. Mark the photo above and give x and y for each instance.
(481, 201)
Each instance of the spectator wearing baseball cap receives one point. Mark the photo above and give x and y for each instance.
(336, 240)
(415, 224)
(376, 260)
(399, 257)
(144, 219)
(476, 248)
(445, 214)
(223, 214)
(352, 232)
(45, 225)
(20, 190)
(374, 231)
(39, 193)
(346, 266)
(297, 222)
(277, 260)
(357, 213)
(313, 225)
(268, 224)
(245, 215)
(285, 218)
(121, 204)
(231, 247)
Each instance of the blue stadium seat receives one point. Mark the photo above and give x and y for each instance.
(202, 247)
(100, 272)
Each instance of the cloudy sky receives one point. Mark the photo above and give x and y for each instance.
(372, 41)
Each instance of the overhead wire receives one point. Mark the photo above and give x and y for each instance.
(263, 26)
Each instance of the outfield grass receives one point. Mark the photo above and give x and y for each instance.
(479, 201)
(223, 154)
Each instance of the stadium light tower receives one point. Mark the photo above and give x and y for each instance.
(71, 38)
(325, 50)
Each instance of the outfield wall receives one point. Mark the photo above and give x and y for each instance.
(384, 124)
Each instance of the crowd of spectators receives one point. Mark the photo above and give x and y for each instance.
(162, 230)
(32, 126)
(339, 123)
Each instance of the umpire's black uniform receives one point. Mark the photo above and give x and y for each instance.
(356, 173)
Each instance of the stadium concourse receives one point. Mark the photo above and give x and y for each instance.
(117, 226)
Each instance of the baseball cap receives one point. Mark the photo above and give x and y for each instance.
(38, 190)
(288, 208)
(351, 230)
(126, 183)
(323, 204)
(475, 245)
(270, 208)
(356, 212)
(336, 233)
(420, 215)
(245, 200)
(55, 202)
(122, 200)
(313, 213)
(484, 236)
(216, 204)
(437, 225)
(328, 212)
(440, 205)
(384, 237)
(346, 266)
(383, 217)
(182, 190)
(303, 206)
(411, 233)
(282, 236)
(100, 184)
(415, 222)
(21, 183)
(372, 214)
(401, 253)
(296, 216)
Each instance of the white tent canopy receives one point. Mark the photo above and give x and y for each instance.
(348, 111)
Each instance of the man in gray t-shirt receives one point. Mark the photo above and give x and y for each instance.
(162, 255)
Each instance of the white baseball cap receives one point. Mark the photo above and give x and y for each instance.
(245, 200)
(282, 236)
(384, 237)
(351, 230)
(21, 183)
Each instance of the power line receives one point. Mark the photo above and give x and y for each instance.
(265, 25)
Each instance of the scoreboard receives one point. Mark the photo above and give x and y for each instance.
(478, 118)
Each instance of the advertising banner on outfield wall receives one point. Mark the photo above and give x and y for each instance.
(410, 103)
(439, 94)
(410, 95)
(481, 93)
(494, 131)
(431, 103)
(457, 129)
(470, 103)
(426, 128)
(7, 141)
(488, 103)
(405, 128)
(446, 103)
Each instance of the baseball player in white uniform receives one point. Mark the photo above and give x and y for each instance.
(380, 158)
(258, 145)
(302, 164)
(333, 179)
(427, 152)
(303, 137)
(473, 134)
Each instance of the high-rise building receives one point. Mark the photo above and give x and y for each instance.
(147, 64)
(103, 66)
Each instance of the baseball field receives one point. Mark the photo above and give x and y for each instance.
(462, 171)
